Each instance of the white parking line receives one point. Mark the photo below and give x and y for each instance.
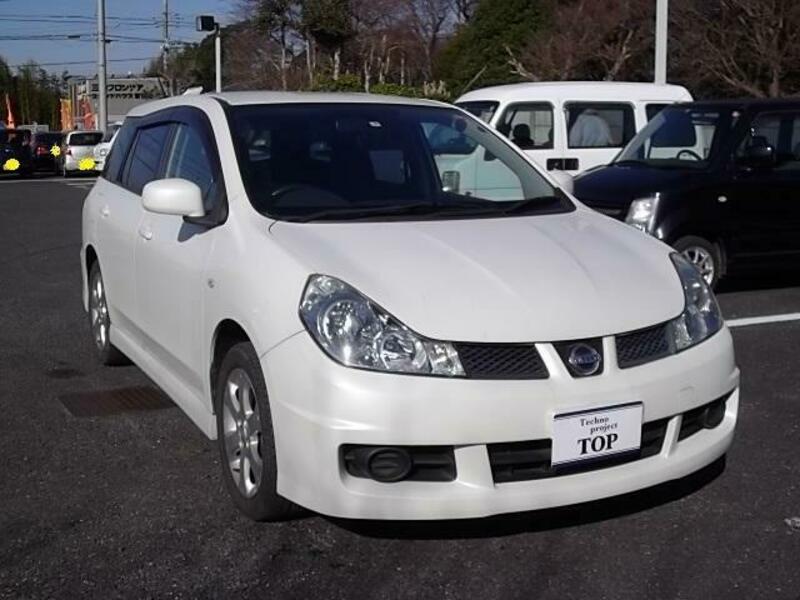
(745, 322)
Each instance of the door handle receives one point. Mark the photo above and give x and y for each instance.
(571, 164)
(145, 233)
(104, 212)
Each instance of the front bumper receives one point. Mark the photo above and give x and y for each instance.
(318, 406)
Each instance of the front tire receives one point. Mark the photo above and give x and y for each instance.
(245, 437)
(100, 321)
(706, 256)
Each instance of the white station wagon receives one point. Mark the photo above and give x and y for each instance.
(371, 330)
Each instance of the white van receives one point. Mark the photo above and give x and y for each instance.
(571, 125)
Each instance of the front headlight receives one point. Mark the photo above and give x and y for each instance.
(701, 318)
(356, 332)
(642, 213)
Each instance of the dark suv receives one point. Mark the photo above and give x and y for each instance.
(15, 150)
(719, 181)
(42, 145)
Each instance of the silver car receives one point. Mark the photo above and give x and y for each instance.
(77, 153)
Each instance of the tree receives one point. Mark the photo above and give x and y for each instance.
(589, 39)
(329, 23)
(749, 47)
(476, 54)
(279, 19)
(464, 9)
(427, 20)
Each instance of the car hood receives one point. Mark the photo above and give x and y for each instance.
(618, 186)
(538, 278)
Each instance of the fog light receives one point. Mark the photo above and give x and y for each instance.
(713, 415)
(389, 464)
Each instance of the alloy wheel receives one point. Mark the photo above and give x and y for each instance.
(242, 430)
(703, 262)
(98, 312)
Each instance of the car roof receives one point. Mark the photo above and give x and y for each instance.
(744, 103)
(579, 90)
(267, 97)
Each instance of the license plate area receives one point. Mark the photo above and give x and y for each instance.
(596, 434)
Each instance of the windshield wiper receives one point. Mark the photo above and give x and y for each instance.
(426, 209)
(523, 206)
(366, 212)
(628, 162)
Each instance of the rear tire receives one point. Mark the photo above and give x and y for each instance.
(246, 439)
(100, 321)
(703, 254)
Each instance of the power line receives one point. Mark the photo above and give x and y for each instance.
(80, 62)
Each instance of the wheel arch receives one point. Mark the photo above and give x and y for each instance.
(227, 334)
(90, 257)
(715, 238)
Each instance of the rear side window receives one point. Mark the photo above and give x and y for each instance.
(529, 126)
(119, 153)
(145, 159)
(599, 124)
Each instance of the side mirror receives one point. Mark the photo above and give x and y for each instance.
(758, 156)
(564, 180)
(173, 197)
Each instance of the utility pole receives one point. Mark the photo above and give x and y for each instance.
(662, 18)
(209, 23)
(102, 120)
(165, 47)
(218, 57)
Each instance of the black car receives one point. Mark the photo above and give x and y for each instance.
(719, 181)
(15, 152)
(42, 144)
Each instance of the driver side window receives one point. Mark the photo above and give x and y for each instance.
(779, 131)
(188, 159)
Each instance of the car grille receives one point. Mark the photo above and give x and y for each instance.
(643, 346)
(501, 361)
(525, 461)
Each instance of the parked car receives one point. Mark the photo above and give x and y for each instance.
(370, 332)
(103, 148)
(77, 155)
(716, 180)
(15, 152)
(41, 146)
(571, 126)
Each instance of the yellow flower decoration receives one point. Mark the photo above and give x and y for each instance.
(55, 151)
(12, 164)
(86, 164)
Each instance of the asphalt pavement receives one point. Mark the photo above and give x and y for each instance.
(132, 504)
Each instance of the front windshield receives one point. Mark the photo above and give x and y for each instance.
(351, 161)
(678, 137)
(483, 109)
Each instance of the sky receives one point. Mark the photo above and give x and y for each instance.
(141, 19)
